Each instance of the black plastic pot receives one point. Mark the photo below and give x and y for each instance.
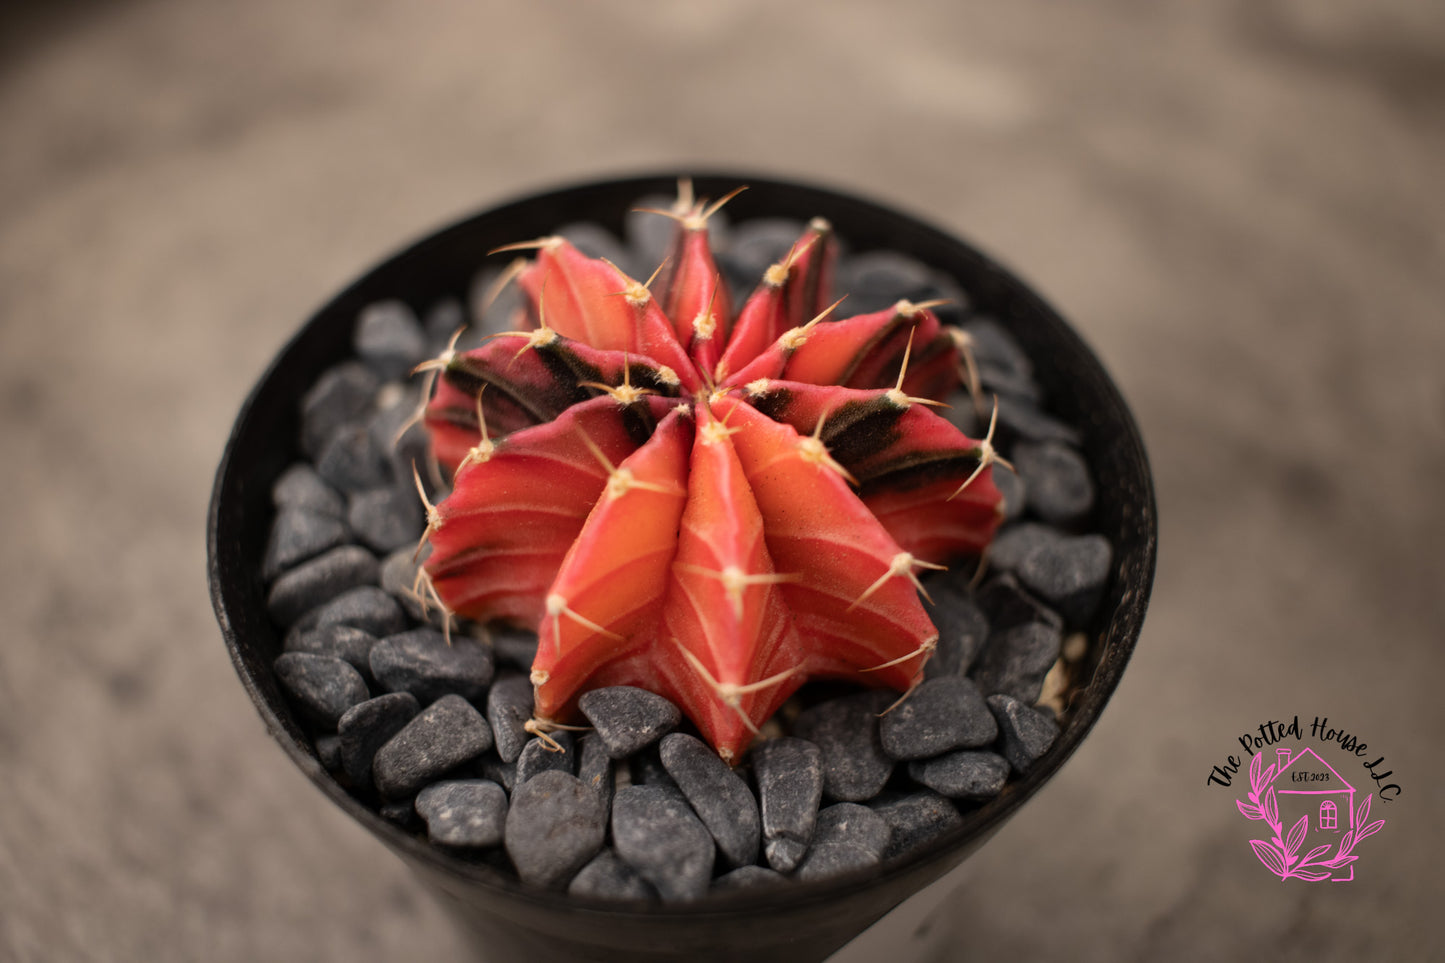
(797, 924)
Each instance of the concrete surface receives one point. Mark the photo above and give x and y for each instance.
(1238, 203)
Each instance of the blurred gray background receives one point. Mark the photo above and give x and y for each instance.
(1237, 203)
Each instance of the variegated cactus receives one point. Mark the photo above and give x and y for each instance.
(713, 506)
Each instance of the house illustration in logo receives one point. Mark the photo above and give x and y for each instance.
(1306, 785)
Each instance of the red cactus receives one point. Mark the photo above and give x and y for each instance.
(715, 508)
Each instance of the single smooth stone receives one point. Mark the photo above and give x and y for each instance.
(353, 461)
(1006, 604)
(1056, 477)
(747, 877)
(366, 607)
(509, 707)
(845, 730)
(422, 662)
(628, 718)
(554, 827)
(595, 768)
(608, 877)
(319, 581)
(849, 837)
(962, 629)
(1011, 487)
(1016, 660)
(1069, 575)
(338, 641)
(322, 687)
(719, 796)
(328, 750)
(446, 734)
(369, 725)
(1008, 383)
(993, 346)
(387, 518)
(1027, 733)
(390, 339)
(442, 320)
(657, 834)
(517, 647)
(301, 488)
(298, 535)
(1019, 421)
(398, 576)
(940, 715)
(1013, 543)
(916, 820)
(877, 279)
(342, 394)
(966, 774)
(789, 774)
(538, 757)
(466, 814)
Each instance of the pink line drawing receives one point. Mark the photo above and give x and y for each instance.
(1280, 853)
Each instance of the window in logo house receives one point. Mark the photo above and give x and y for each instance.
(1327, 815)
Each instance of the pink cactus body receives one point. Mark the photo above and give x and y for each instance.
(716, 508)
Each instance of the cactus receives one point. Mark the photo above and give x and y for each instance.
(714, 506)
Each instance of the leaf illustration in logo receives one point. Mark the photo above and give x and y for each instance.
(1271, 806)
(1312, 875)
(1250, 812)
(1267, 854)
(1256, 774)
(1370, 830)
(1296, 836)
(1315, 853)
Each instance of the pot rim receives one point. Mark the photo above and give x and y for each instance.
(1124, 622)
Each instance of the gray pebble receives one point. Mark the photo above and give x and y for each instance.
(756, 245)
(849, 837)
(422, 662)
(465, 814)
(1006, 604)
(967, 774)
(509, 707)
(502, 773)
(646, 769)
(608, 877)
(718, 795)
(320, 580)
(941, 715)
(1020, 421)
(595, 768)
(994, 347)
(916, 820)
(628, 718)
(1069, 575)
(657, 834)
(1016, 660)
(1011, 487)
(747, 877)
(301, 488)
(537, 757)
(353, 460)
(1010, 384)
(1056, 477)
(962, 629)
(1014, 542)
(1027, 733)
(390, 339)
(365, 607)
(398, 576)
(298, 535)
(789, 774)
(369, 725)
(554, 828)
(322, 687)
(338, 641)
(386, 519)
(403, 813)
(845, 730)
(342, 394)
(328, 750)
(442, 321)
(517, 647)
(446, 734)
(877, 279)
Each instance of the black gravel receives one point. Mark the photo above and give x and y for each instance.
(465, 814)
(541, 755)
(657, 833)
(298, 534)
(1016, 660)
(845, 731)
(942, 714)
(509, 706)
(322, 687)
(446, 734)
(555, 826)
(608, 877)
(848, 838)
(369, 725)
(1057, 480)
(789, 772)
(343, 642)
(717, 794)
(1026, 733)
(967, 774)
(628, 718)
(915, 820)
(318, 581)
